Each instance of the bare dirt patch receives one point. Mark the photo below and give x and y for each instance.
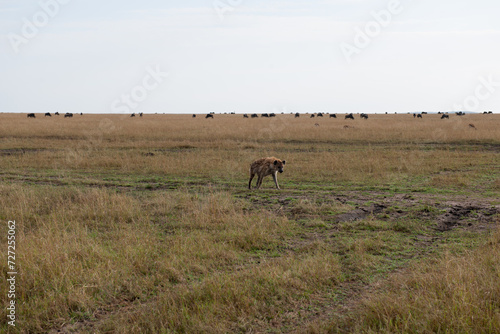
(360, 213)
(466, 214)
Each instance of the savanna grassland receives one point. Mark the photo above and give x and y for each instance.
(146, 224)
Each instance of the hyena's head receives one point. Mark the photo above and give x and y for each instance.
(278, 164)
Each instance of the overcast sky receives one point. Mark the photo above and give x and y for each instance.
(249, 55)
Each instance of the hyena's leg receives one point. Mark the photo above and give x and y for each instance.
(259, 181)
(250, 182)
(275, 178)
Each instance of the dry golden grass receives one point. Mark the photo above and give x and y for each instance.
(130, 225)
(381, 148)
(182, 129)
(80, 250)
(453, 294)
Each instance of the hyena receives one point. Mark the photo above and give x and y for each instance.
(264, 167)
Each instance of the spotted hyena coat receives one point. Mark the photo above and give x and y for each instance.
(264, 167)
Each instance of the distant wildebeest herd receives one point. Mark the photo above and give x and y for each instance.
(48, 114)
(296, 114)
(349, 116)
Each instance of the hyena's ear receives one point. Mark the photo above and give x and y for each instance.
(284, 162)
(275, 162)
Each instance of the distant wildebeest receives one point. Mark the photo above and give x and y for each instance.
(209, 116)
(31, 115)
(424, 112)
(333, 115)
(133, 115)
(140, 114)
(264, 167)
(312, 116)
(443, 116)
(264, 115)
(319, 114)
(460, 113)
(245, 116)
(419, 116)
(48, 114)
(68, 114)
(414, 115)
(364, 116)
(56, 113)
(350, 116)
(194, 115)
(272, 115)
(297, 115)
(255, 116)
(472, 126)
